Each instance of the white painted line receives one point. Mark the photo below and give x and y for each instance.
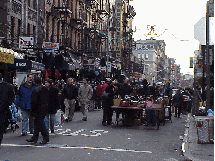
(74, 147)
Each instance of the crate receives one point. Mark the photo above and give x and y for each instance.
(205, 129)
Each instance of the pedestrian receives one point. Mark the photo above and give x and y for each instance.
(177, 103)
(144, 91)
(39, 109)
(70, 93)
(23, 102)
(7, 97)
(53, 104)
(107, 102)
(99, 94)
(126, 88)
(84, 95)
(104, 85)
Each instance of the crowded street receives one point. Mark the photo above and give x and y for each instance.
(103, 80)
(114, 143)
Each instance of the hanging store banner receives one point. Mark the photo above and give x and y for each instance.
(6, 58)
(37, 66)
(50, 47)
(118, 44)
(26, 43)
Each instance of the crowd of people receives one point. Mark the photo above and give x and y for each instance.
(39, 101)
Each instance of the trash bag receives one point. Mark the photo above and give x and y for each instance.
(201, 112)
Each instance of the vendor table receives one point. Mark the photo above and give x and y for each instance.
(132, 112)
(128, 113)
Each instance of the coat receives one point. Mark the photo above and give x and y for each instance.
(39, 101)
(6, 96)
(85, 93)
(104, 87)
(23, 97)
(70, 92)
(99, 90)
(126, 90)
(53, 102)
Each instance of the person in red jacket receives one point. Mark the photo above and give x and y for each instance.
(104, 86)
(99, 92)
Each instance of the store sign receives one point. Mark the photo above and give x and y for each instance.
(26, 43)
(50, 47)
(37, 66)
(21, 64)
(6, 58)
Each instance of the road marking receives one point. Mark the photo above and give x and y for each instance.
(74, 147)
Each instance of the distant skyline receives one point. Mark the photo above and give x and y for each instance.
(174, 22)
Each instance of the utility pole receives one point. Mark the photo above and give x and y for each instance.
(107, 45)
(207, 57)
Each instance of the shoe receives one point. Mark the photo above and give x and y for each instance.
(84, 119)
(52, 131)
(43, 142)
(31, 140)
(32, 132)
(24, 134)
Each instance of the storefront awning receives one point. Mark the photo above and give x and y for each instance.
(27, 64)
(6, 58)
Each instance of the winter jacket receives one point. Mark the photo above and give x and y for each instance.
(70, 92)
(177, 99)
(23, 97)
(104, 87)
(85, 93)
(6, 96)
(39, 101)
(107, 99)
(126, 90)
(99, 90)
(53, 102)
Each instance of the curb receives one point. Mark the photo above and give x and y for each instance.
(185, 142)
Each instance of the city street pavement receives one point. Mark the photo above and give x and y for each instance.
(90, 141)
(194, 151)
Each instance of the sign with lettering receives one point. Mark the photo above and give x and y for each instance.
(37, 66)
(26, 43)
(6, 58)
(50, 47)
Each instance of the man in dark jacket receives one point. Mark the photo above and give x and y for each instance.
(177, 103)
(23, 101)
(126, 89)
(53, 104)
(70, 94)
(107, 102)
(39, 109)
(6, 99)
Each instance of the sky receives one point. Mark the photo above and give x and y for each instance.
(175, 17)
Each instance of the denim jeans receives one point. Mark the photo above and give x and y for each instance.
(151, 117)
(51, 117)
(26, 115)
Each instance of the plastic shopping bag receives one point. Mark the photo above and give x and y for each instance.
(58, 117)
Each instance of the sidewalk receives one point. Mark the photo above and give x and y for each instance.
(190, 148)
